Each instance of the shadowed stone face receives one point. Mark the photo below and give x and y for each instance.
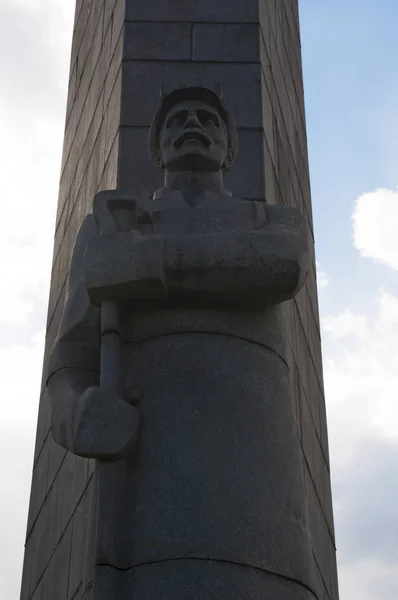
(193, 137)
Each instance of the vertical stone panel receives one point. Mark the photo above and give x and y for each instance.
(122, 51)
(284, 126)
(89, 162)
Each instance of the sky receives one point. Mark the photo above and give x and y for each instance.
(350, 51)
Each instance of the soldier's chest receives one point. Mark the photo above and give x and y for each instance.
(210, 215)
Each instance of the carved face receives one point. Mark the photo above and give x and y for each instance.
(193, 137)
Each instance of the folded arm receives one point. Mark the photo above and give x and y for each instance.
(74, 361)
(267, 265)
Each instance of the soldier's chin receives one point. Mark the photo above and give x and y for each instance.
(195, 160)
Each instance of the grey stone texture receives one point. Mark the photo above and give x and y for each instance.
(122, 51)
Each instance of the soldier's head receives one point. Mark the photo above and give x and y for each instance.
(192, 130)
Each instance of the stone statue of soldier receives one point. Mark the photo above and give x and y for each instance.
(205, 481)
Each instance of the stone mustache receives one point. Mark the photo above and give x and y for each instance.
(170, 369)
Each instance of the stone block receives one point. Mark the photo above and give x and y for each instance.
(67, 220)
(317, 464)
(81, 18)
(43, 424)
(55, 579)
(91, 48)
(80, 530)
(78, 595)
(301, 301)
(322, 542)
(73, 479)
(104, 60)
(110, 173)
(55, 500)
(157, 41)
(38, 547)
(226, 42)
(235, 11)
(137, 173)
(265, 25)
(25, 584)
(56, 459)
(323, 426)
(78, 7)
(315, 393)
(142, 82)
(70, 131)
(109, 9)
(46, 532)
(60, 269)
(72, 88)
(112, 116)
(268, 116)
(272, 10)
(53, 324)
(118, 21)
(322, 593)
(271, 183)
(312, 286)
(114, 69)
(292, 24)
(246, 179)
(38, 593)
(66, 189)
(92, 106)
(334, 578)
(297, 401)
(95, 168)
(87, 99)
(90, 139)
(39, 485)
(313, 334)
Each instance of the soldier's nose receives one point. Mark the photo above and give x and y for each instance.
(192, 121)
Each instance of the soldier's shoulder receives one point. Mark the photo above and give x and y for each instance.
(88, 227)
(288, 215)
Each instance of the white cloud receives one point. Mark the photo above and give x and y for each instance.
(375, 223)
(361, 382)
(34, 57)
(20, 380)
(323, 279)
(34, 47)
(368, 580)
(340, 326)
(361, 370)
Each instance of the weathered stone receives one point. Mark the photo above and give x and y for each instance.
(158, 41)
(263, 81)
(197, 263)
(226, 43)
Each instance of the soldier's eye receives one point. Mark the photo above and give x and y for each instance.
(176, 119)
(212, 120)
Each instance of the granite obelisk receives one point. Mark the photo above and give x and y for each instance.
(121, 54)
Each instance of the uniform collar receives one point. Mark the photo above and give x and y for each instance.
(163, 193)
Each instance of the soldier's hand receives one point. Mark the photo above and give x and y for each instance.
(104, 426)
